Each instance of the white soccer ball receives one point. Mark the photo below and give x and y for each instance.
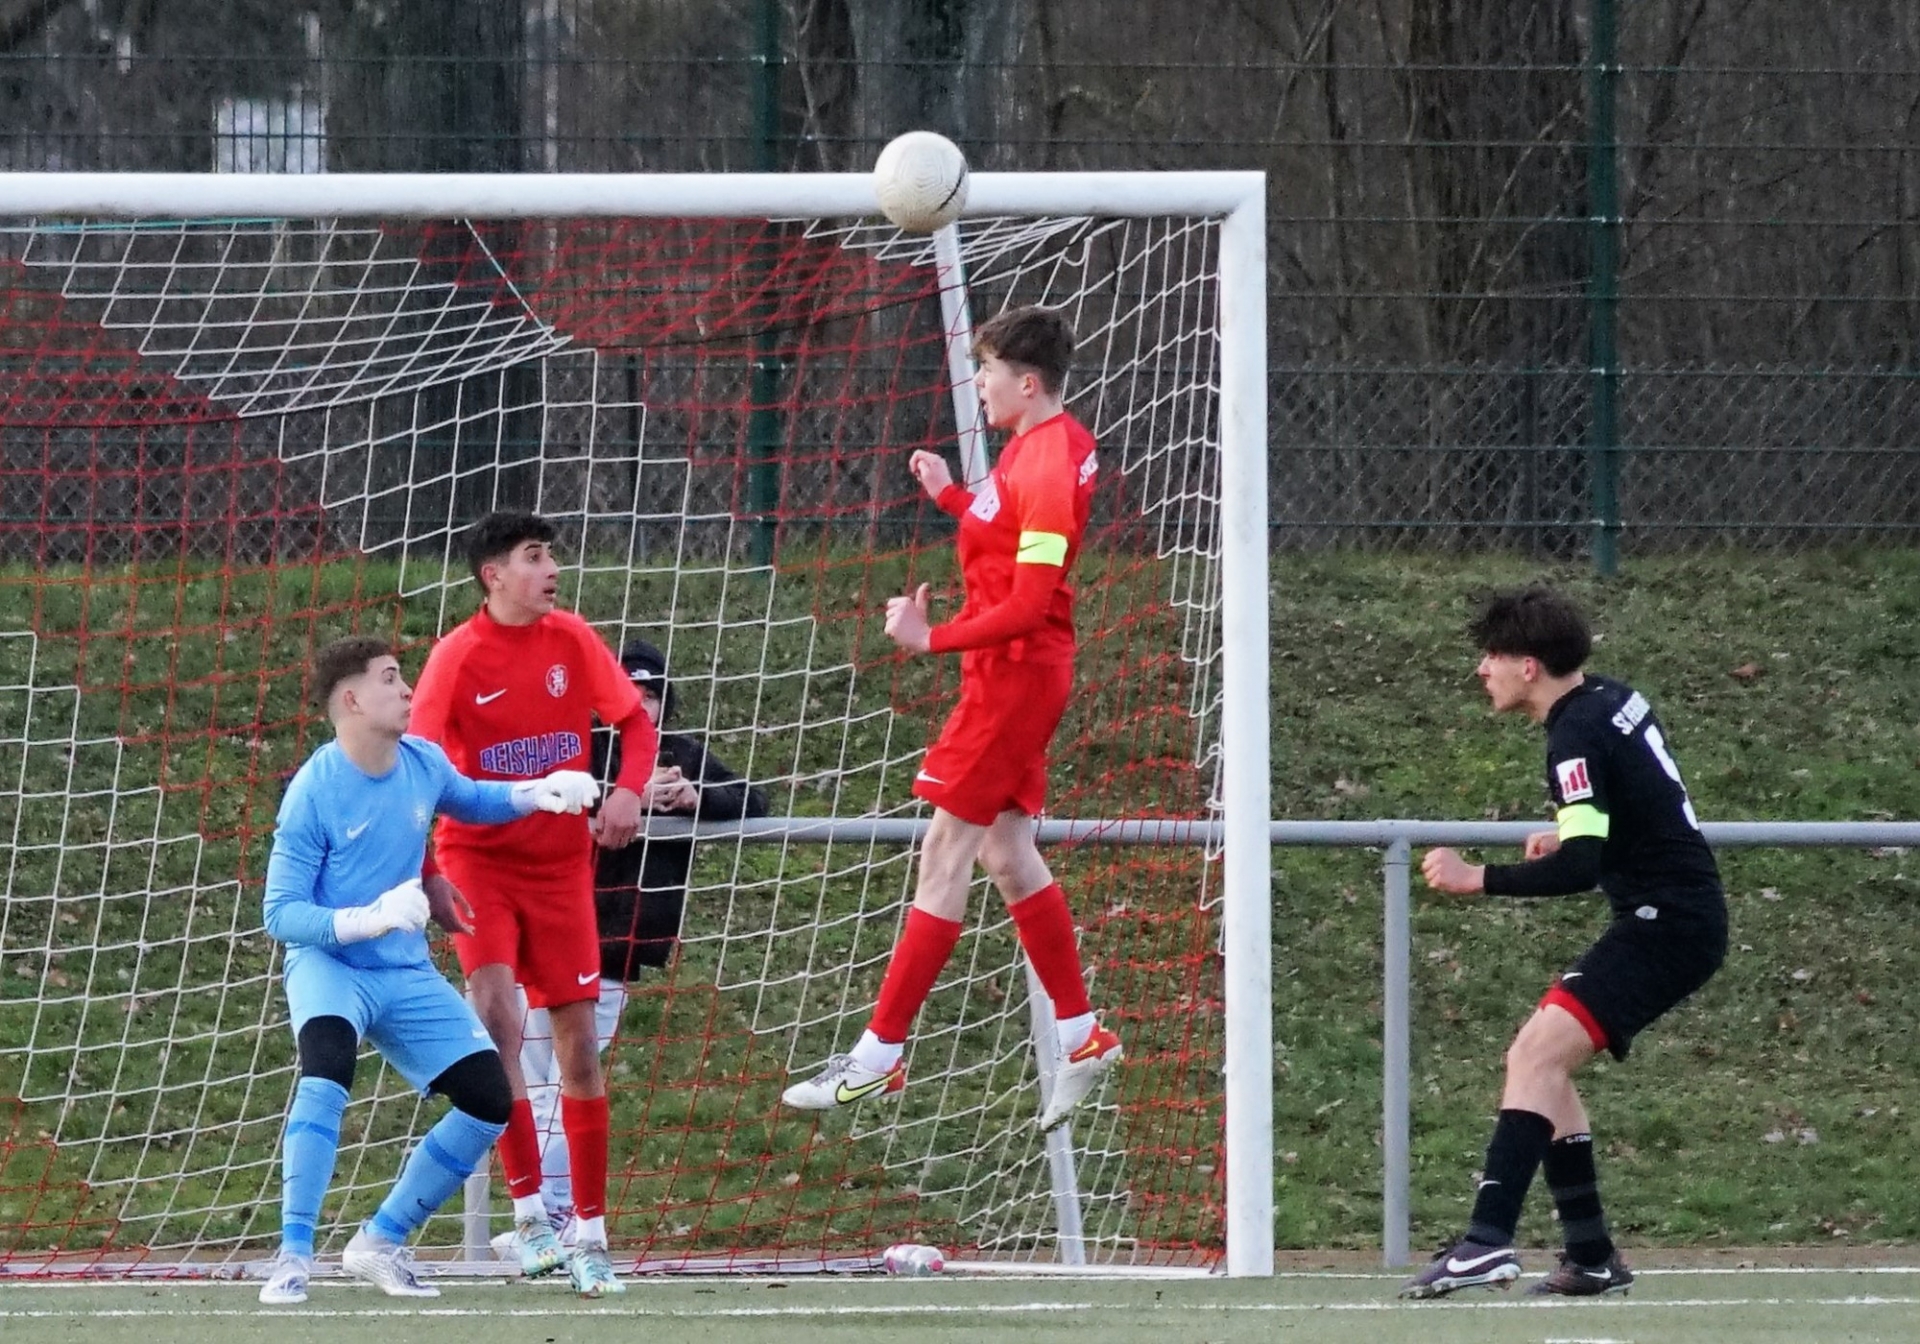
(921, 180)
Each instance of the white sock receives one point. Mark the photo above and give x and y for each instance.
(1074, 1031)
(591, 1231)
(875, 1055)
(528, 1208)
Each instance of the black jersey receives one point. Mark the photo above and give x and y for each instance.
(1610, 773)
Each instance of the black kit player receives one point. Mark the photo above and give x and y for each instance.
(1625, 825)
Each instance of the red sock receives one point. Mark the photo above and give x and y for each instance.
(586, 1122)
(918, 958)
(520, 1151)
(1046, 932)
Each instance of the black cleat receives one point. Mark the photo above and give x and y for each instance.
(1467, 1265)
(1571, 1280)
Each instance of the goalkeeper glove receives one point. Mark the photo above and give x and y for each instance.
(562, 791)
(402, 908)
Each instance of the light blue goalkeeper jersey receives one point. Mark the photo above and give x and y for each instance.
(343, 837)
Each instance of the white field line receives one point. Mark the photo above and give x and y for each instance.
(902, 1310)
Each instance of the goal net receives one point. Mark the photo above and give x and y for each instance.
(231, 430)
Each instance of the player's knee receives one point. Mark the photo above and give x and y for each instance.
(478, 1086)
(328, 1049)
(1534, 1057)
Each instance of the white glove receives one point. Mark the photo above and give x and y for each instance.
(572, 791)
(401, 908)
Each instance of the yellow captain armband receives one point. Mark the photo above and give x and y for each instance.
(1041, 548)
(1582, 819)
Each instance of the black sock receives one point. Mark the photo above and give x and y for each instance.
(1520, 1141)
(1576, 1194)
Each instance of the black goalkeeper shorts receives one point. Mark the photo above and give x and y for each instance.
(1639, 969)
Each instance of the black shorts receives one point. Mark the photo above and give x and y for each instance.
(1640, 968)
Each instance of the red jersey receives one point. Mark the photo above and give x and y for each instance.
(517, 702)
(1018, 539)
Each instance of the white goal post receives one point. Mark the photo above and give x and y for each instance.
(337, 344)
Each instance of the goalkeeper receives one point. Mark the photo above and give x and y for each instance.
(511, 694)
(343, 893)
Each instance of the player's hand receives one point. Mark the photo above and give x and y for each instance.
(1446, 871)
(1540, 844)
(907, 623)
(620, 817)
(931, 470)
(397, 909)
(447, 905)
(570, 791)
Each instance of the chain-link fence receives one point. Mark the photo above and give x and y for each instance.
(1566, 276)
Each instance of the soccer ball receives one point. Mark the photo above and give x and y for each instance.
(921, 180)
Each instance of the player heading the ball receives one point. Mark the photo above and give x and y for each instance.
(986, 774)
(343, 894)
(512, 693)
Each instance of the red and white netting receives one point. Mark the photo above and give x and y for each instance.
(223, 443)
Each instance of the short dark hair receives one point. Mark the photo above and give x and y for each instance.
(345, 658)
(1534, 622)
(1038, 338)
(498, 533)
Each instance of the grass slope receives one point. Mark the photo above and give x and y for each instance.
(1778, 1107)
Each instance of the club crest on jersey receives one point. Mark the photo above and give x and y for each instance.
(1574, 781)
(557, 680)
(986, 504)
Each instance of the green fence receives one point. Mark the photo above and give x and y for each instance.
(1568, 277)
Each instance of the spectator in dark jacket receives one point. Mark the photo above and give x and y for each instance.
(641, 891)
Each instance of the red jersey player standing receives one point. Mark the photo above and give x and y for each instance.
(986, 775)
(512, 694)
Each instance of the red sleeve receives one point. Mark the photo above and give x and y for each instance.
(639, 748)
(615, 701)
(955, 499)
(1045, 493)
(433, 694)
(1024, 611)
(608, 684)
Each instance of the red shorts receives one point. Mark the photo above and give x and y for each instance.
(545, 929)
(991, 756)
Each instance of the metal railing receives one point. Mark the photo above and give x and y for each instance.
(1397, 838)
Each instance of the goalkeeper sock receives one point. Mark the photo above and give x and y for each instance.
(520, 1151)
(918, 958)
(451, 1151)
(586, 1121)
(1520, 1140)
(313, 1141)
(1053, 950)
(1576, 1197)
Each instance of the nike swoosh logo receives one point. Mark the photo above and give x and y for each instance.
(353, 832)
(1599, 1275)
(929, 778)
(588, 978)
(1572, 975)
(1456, 1266)
(844, 1094)
(489, 699)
